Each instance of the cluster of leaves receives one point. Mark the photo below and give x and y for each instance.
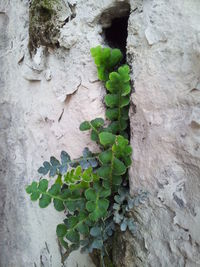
(91, 189)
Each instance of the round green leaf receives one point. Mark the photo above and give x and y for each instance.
(54, 190)
(118, 167)
(61, 230)
(105, 157)
(104, 171)
(73, 236)
(90, 194)
(84, 126)
(58, 205)
(44, 201)
(35, 196)
(90, 206)
(31, 188)
(97, 123)
(107, 138)
(83, 228)
(43, 185)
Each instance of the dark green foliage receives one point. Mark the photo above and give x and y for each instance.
(92, 187)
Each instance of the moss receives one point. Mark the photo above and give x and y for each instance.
(43, 23)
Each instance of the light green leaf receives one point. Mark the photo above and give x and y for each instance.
(103, 204)
(105, 157)
(107, 138)
(112, 113)
(112, 100)
(125, 100)
(118, 167)
(105, 193)
(104, 171)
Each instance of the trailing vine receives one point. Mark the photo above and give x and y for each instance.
(93, 189)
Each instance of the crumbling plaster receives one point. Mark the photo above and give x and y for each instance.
(44, 99)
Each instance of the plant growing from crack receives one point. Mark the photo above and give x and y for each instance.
(93, 189)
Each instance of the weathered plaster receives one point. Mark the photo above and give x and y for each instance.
(164, 51)
(44, 99)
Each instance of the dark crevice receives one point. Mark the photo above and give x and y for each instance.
(115, 32)
(116, 35)
(114, 23)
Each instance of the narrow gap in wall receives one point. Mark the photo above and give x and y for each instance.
(116, 34)
(115, 31)
(115, 26)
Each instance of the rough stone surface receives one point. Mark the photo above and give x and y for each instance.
(164, 52)
(44, 99)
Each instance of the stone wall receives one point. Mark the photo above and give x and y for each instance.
(164, 49)
(43, 99)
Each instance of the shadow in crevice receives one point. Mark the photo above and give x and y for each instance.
(114, 23)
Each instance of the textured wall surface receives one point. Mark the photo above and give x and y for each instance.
(164, 48)
(44, 99)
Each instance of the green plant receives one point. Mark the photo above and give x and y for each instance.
(93, 189)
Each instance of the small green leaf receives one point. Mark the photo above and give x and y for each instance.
(90, 206)
(104, 171)
(87, 175)
(116, 180)
(73, 236)
(35, 196)
(71, 222)
(58, 205)
(127, 161)
(94, 136)
(112, 100)
(90, 194)
(125, 100)
(78, 171)
(107, 138)
(31, 188)
(103, 204)
(105, 193)
(84, 126)
(126, 89)
(59, 180)
(97, 123)
(105, 157)
(61, 230)
(112, 113)
(43, 185)
(83, 228)
(44, 201)
(54, 190)
(118, 167)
